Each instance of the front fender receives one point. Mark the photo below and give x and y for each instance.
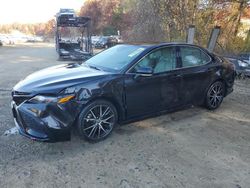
(107, 89)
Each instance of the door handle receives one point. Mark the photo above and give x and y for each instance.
(210, 69)
(178, 75)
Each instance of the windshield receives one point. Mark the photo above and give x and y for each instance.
(116, 58)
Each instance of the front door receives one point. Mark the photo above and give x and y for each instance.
(149, 94)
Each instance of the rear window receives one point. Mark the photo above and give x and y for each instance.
(192, 56)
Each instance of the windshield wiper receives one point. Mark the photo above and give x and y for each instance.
(94, 67)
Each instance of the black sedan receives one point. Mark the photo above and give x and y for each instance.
(122, 84)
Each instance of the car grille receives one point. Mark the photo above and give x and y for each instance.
(30, 121)
(20, 97)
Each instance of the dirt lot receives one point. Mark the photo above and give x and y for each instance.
(189, 148)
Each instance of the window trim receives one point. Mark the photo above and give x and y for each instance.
(159, 48)
(178, 48)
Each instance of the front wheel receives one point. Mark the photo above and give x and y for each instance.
(97, 120)
(215, 95)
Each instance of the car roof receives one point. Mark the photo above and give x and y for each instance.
(156, 45)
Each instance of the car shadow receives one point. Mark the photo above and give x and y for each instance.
(21, 148)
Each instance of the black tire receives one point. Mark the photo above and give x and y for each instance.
(215, 95)
(97, 120)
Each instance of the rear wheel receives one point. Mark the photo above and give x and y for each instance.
(97, 120)
(215, 95)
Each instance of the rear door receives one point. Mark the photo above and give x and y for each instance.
(196, 73)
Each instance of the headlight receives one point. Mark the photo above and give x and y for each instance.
(43, 99)
(242, 64)
(49, 99)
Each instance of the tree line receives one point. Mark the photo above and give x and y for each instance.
(39, 29)
(160, 20)
(168, 20)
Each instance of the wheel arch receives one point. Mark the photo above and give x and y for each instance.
(215, 80)
(220, 80)
(113, 101)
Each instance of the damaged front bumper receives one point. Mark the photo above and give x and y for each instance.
(44, 122)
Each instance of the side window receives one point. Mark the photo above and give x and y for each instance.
(193, 57)
(160, 60)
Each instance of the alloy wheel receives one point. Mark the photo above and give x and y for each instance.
(98, 122)
(215, 94)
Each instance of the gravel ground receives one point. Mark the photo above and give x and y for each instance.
(190, 148)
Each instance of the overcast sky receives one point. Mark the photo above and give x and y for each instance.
(33, 11)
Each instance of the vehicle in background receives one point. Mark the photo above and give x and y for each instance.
(18, 38)
(106, 42)
(121, 84)
(34, 39)
(245, 57)
(1, 43)
(78, 46)
(118, 38)
(95, 39)
(242, 67)
(66, 12)
(6, 39)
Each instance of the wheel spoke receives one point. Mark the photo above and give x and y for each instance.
(100, 114)
(99, 131)
(213, 90)
(211, 99)
(219, 98)
(217, 88)
(89, 119)
(106, 119)
(220, 90)
(106, 111)
(92, 131)
(93, 114)
(89, 127)
(103, 129)
(109, 124)
(214, 102)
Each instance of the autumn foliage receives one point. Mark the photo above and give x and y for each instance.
(162, 20)
(108, 16)
(40, 29)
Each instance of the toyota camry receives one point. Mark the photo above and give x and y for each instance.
(119, 85)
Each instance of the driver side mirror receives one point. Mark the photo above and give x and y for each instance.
(144, 71)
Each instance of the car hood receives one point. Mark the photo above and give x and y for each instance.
(56, 78)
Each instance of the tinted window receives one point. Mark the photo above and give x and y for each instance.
(193, 57)
(115, 58)
(161, 60)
